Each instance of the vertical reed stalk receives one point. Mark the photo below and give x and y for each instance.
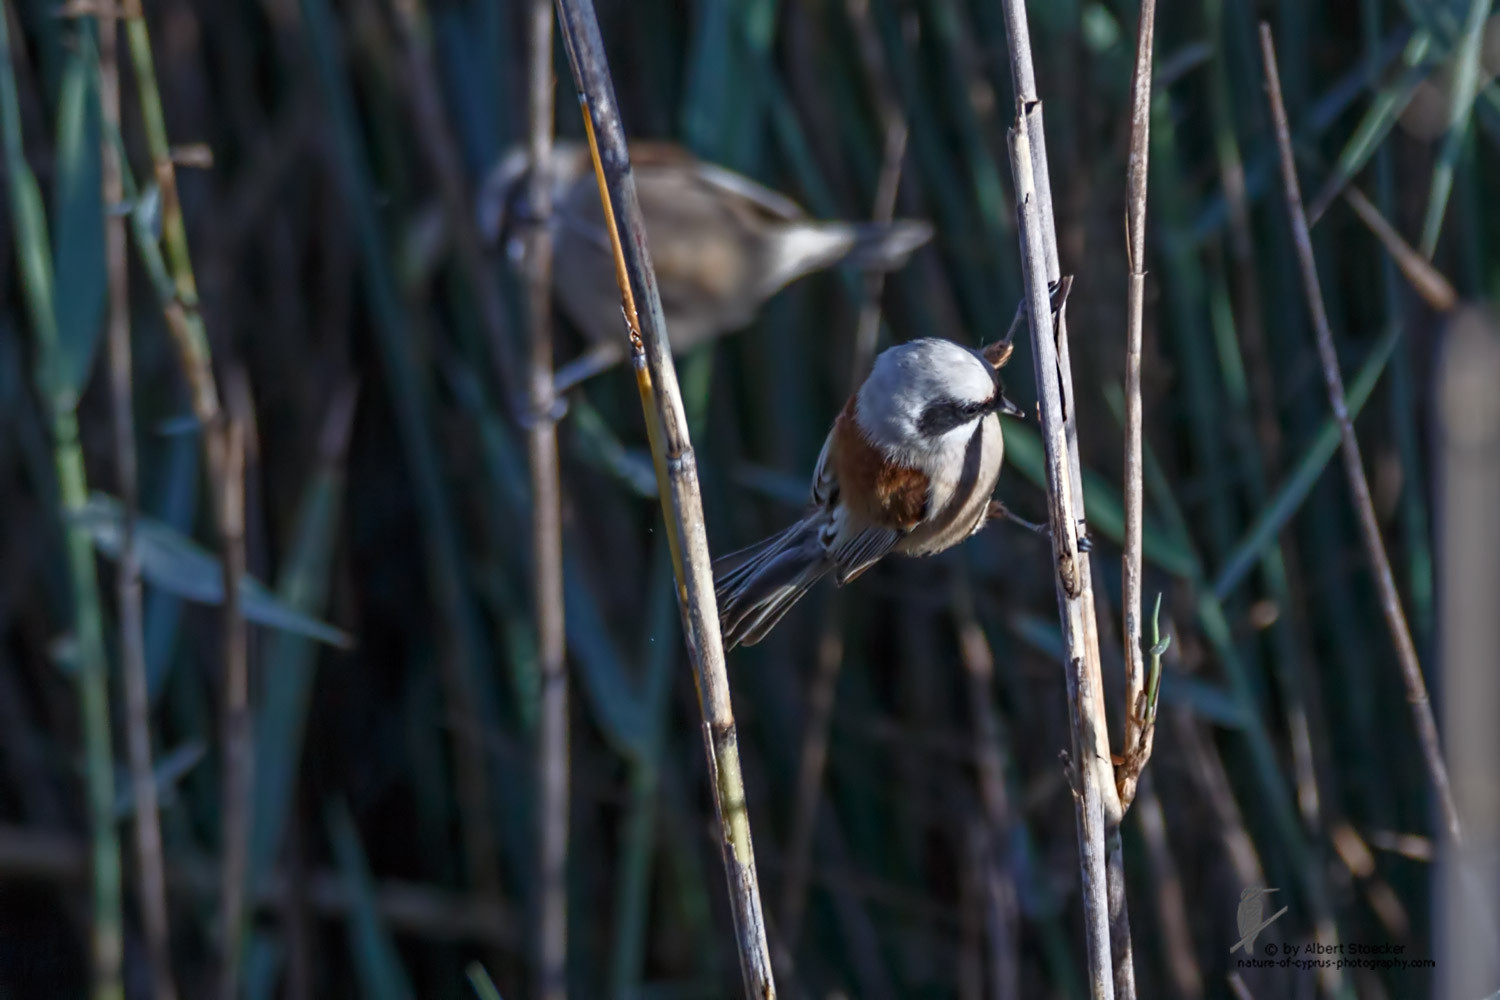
(185, 323)
(238, 732)
(1139, 732)
(1359, 487)
(997, 885)
(1098, 806)
(151, 888)
(33, 250)
(1468, 464)
(546, 528)
(677, 471)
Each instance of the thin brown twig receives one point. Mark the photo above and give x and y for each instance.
(546, 528)
(1390, 599)
(1426, 280)
(811, 761)
(185, 324)
(1176, 943)
(1139, 731)
(151, 891)
(1001, 907)
(677, 476)
(238, 736)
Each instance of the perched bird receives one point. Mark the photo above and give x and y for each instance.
(908, 467)
(722, 244)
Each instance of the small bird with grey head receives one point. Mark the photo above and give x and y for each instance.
(721, 244)
(909, 467)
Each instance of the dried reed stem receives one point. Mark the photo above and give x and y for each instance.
(223, 446)
(1468, 466)
(997, 886)
(1106, 918)
(546, 529)
(238, 735)
(1426, 280)
(1139, 731)
(185, 324)
(151, 890)
(1390, 600)
(1068, 585)
(677, 472)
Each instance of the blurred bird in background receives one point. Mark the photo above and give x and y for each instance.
(908, 467)
(722, 244)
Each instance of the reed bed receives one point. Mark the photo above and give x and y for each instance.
(432, 665)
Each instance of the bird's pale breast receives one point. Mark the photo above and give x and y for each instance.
(960, 501)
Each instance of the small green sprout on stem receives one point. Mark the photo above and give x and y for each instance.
(1129, 767)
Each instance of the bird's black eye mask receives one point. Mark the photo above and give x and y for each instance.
(942, 416)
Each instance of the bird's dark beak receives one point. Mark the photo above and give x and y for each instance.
(1005, 406)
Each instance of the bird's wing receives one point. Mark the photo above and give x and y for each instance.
(852, 550)
(825, 478)
(737, 185)
(583, 221)
(854, 555)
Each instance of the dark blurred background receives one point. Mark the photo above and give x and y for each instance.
(913, 825)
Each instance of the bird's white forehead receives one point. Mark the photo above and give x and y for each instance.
(908, 377)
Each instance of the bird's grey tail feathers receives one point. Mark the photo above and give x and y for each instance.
(757, 585)
(806, 246)
(884, 246)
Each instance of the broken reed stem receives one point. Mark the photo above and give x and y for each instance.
(151, 889)
(1101, 863)
(1139, 733)
(546, 528)
(1359, 487)
(682, 504)
(1426, 280)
